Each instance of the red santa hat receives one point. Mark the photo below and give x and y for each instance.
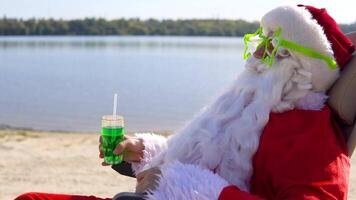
(312, 28)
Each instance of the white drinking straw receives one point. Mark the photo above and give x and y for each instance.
(115, 106)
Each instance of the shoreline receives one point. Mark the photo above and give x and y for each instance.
(29, 129)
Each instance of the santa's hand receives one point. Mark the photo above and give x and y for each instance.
(147, 180)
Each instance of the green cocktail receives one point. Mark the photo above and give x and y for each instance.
(112, 133)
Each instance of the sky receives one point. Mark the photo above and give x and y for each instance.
(343, 11)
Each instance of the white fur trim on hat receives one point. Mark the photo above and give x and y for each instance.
(298, 26)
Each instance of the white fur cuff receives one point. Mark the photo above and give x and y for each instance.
(154, 144)
(185, 181)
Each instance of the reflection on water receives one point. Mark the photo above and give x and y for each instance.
(67, 83)
(121, 42)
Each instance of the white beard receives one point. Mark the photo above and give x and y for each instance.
(225, 135)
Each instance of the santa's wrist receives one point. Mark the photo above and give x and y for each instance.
(186, 181)
(153, 145)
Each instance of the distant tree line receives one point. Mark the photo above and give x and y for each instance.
(93, 26)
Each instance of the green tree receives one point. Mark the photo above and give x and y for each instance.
(134, 26)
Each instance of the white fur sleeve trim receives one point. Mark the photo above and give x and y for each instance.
(154, 144)
(312, 101)
(185, 181)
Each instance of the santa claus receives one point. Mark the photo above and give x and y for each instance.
(270, 134)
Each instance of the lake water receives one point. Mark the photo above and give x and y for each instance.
(67, 83)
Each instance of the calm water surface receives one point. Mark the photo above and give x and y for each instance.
(67, 83)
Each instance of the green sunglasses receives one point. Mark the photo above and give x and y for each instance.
(258, 39)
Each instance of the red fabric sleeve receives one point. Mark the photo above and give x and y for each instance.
(304, 155)
(232, 192)
(301, 156)
(49, 196)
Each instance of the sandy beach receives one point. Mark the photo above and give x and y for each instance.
(65, 163)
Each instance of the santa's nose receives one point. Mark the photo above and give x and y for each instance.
(260, 51)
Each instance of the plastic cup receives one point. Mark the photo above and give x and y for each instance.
(112, 132)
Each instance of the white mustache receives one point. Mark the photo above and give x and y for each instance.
(255, 65)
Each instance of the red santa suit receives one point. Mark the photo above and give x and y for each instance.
(302, 155)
